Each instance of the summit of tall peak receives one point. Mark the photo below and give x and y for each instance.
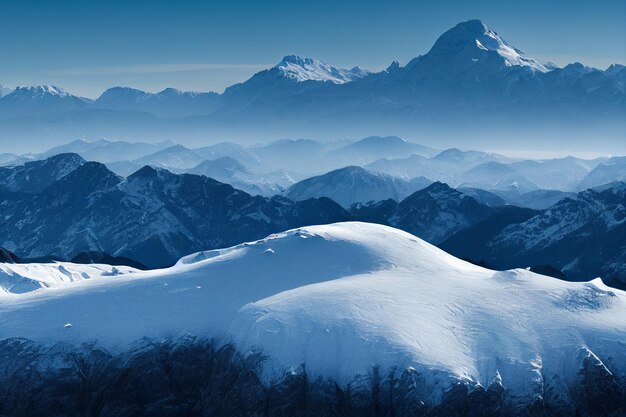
(471, 39)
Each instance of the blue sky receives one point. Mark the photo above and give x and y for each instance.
(87, 46)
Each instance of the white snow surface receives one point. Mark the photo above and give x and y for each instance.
(24, 278)
(41, 90)
(305, 69)
(491, 41)
(343, 298)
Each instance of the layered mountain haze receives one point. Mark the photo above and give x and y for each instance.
(153, 216)
(351, 185)
(176, 157)
(471, 85)
(445, 237)
(169, 103)
(107, 151)
(610, 170)
(39, 101)
(433, 213)
(229, 170)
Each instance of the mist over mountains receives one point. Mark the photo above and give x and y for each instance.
(471, 87)
(320, 241)
(62, 206)
(272, 168)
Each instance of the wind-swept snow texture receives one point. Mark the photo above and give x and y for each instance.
(24, 278)
(342, 298)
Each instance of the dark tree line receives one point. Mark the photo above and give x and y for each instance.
(193, 377)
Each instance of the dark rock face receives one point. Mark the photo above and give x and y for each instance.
(63, 206)
(433, 214)
(153, 217)
(471, 242)
(582, 237)
(94, 257)
(191, 377)
(35, 176)
(7, 256)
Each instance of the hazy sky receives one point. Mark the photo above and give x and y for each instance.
(87, 46)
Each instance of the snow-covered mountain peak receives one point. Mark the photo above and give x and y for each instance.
(301, 69)
(469, 40)
(40, 91)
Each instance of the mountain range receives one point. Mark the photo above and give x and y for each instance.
(63, 206)
(580, 236)
(153, 216)
(171, 260)
(271, 168)
(471, 85)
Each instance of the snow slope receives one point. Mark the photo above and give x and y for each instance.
(343, 298)
(301, 69)
(24, 278)
(491, 41)
(40, 91)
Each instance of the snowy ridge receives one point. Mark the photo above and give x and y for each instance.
(310, 69)
(399, 302)
(23, 278)
(40, 91)
(472, 40)
(491, 41)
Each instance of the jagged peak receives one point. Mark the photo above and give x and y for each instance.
(146, 171)
(149, 173)
(614, 69)
(469, 39)
(394, 66)
(64, 157)
(299, 69)
(40, 91)
(437, 187)
(90, 172)
(296, 59)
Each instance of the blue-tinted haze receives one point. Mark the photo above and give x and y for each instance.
(88, 46)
